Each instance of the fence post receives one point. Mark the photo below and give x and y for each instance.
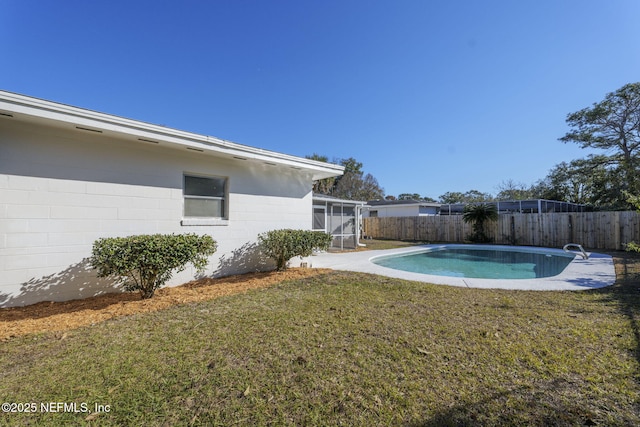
(571, 236)
(512, 225)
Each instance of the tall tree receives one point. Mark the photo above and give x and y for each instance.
(414, 196)
(613, 125)
(371, 189)
(511, 190)
(471, 196)
(322, 186)
(588, 181)
(352, 185)
(351, 165)
(409, 196)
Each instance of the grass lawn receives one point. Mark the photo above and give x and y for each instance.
(346, 349)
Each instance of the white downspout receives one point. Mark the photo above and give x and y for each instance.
(358, 225)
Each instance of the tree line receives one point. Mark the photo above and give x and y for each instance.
(603, 181)
(354, 184)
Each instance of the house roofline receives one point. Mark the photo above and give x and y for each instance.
(325, 198)
(26, 108)
(375, 204)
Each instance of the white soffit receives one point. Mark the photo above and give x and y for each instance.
(36, 110)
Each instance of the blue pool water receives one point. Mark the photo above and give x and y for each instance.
(480, 263)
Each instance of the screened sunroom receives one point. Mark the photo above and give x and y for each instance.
(338, 217)
(519, 206)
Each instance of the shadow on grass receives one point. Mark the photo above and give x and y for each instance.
(626, 293)
(47, 308)
(544, 406)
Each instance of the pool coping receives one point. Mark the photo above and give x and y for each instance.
(581, 274)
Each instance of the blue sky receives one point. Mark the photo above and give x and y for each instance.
(432, 96)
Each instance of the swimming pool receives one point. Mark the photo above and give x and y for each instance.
(480, 262)
(581, 274)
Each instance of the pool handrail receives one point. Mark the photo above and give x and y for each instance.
(582, 252)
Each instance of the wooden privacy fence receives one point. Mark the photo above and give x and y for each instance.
(595, 230)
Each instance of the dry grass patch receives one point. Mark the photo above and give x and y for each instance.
(348, 349)
(62, 316)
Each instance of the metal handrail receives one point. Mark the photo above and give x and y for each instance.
(575, 245)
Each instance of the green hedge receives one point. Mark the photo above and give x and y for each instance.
(144, 263)
(282, 245)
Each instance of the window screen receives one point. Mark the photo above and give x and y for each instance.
(318, 219)
(204, 187)
(204, 197)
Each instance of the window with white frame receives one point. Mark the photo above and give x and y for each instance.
(319, 218)
(204, 197)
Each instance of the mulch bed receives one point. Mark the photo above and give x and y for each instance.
(61, 316)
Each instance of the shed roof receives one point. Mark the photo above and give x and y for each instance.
(38, 111)
(390, 203)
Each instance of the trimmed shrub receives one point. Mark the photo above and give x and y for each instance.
(145, 263)
(282, 245)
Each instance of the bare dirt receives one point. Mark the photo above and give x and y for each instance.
(61, 316)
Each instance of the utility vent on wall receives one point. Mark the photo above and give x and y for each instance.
(88, 130)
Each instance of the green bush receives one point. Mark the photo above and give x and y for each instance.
(146, 262)
(635, 201)
(282, 245)
(479, 214)
(632, 247)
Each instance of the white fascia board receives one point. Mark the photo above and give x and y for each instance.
(322, 198)
(38, 109)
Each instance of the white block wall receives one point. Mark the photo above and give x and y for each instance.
(61, 189)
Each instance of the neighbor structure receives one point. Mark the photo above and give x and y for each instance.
(519, 206)
(69, 176)
(339, 217)
(395, 208)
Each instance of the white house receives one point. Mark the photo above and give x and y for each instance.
(384, 208)
(69, 176)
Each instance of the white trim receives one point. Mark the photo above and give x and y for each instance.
(203, 221)
(324, 208)
(25, 108)
(225, 199)
(323, 198)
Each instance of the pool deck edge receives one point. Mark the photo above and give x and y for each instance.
(581, 274)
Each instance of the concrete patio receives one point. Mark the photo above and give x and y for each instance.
(581, 274)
